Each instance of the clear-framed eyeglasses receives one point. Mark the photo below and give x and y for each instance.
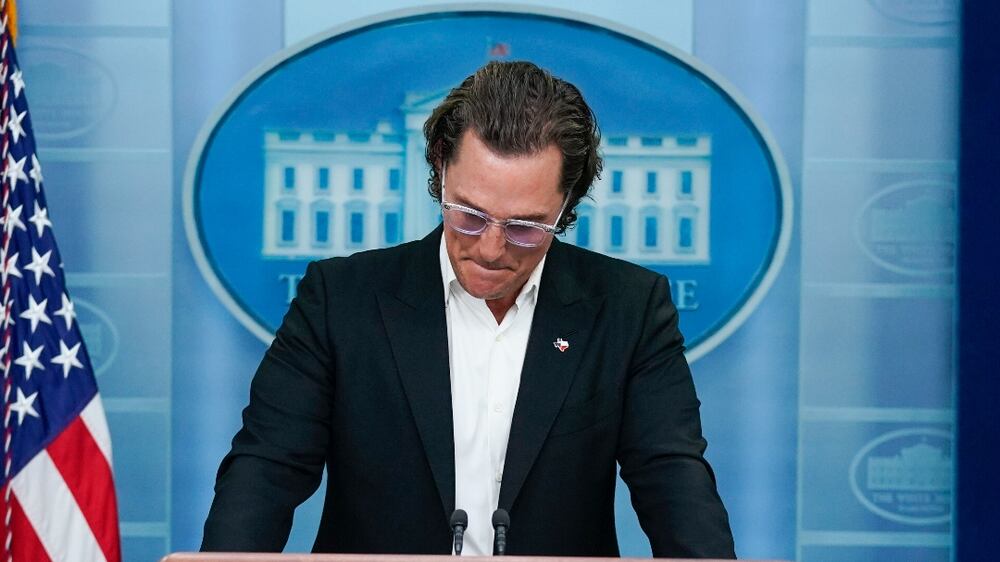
(524, 233)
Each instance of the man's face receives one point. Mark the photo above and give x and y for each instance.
(505, 187)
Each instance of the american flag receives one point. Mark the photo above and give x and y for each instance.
(58, 497)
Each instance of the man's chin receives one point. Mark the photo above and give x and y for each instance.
(486, 293)
(484, 288)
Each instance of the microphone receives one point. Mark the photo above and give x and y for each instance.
(459, 523)
(501, 522)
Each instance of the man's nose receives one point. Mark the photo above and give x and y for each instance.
(492, 243)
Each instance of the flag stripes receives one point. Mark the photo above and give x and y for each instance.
(97, 425)
(55, 516)
(27, 547)
(88, 477)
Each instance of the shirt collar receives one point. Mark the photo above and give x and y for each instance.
(529, 291)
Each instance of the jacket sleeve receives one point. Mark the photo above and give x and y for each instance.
(661, 446)
(276, 460)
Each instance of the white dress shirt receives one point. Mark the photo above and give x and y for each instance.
(485, 360)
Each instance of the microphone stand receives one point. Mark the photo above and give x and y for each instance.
(501, 522)
(459, 523)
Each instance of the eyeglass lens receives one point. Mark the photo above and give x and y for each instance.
(470, 223)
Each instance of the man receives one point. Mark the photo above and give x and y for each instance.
(487, 365)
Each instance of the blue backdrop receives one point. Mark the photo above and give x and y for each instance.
(828, 409)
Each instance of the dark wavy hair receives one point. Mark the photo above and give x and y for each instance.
(517, 109)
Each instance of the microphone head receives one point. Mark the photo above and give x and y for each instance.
(459, 518)
(501, 518)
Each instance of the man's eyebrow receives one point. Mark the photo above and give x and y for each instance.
(533, 217)
(463, 201)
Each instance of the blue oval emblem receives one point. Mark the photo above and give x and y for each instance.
(320, 153)
(99, 333)
(910, 228)
(59, 113)
(927, 12)
(906, 476)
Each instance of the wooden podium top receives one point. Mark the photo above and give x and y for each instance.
(261, 557)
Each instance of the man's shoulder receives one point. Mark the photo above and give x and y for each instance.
(605, 274)
(368, 267)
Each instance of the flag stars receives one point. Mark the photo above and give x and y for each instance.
(25, 405)
(67, 311)
(18, 80)
(9, 268)
(36, 313)
(29, 359)
(40, 265)
(14, 126)
(67, 358)
(36, 172)
(15, 171)
(13, 220)
(40, 219)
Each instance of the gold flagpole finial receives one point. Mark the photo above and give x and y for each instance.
(10, 11)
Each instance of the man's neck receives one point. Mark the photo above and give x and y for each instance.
(499, 307)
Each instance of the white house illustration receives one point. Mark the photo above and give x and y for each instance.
(334, 193)
(925, 219)
(921, 467)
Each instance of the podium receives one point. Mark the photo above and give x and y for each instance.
(262, 557)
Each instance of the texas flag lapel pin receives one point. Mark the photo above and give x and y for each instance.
(561, 344)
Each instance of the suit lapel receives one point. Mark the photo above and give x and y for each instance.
(563, 311)
(415, 321)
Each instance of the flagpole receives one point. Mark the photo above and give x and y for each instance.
(5, 33)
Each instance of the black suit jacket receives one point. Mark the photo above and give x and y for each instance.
(357, 379)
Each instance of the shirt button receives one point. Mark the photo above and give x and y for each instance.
(499, 476)
(498, 338)
(498, 407)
